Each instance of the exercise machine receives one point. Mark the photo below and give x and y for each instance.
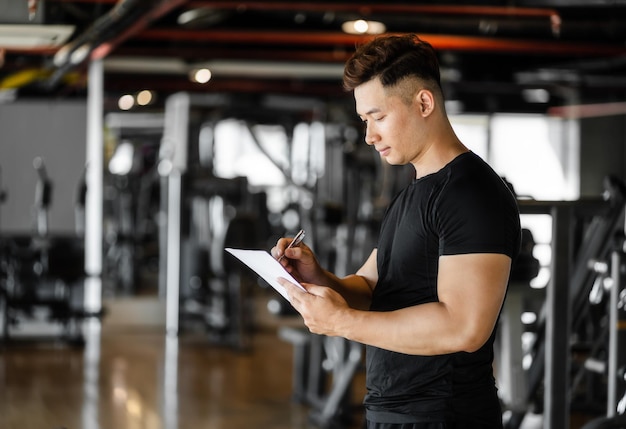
(567, 325)
(41, 277)
(202, 213)
(607, 357)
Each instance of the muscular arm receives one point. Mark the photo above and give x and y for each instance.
(357, 288)
(471, 290)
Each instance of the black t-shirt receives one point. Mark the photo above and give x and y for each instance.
(463, 208)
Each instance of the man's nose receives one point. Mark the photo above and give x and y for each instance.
(370, 135)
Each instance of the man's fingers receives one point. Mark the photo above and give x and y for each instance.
(292, 290)
(290, 285)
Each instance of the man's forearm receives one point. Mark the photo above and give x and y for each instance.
(353, 288)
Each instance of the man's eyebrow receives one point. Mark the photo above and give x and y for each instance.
(369, 112)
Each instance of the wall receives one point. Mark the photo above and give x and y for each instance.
(603, 152)
(54, 130)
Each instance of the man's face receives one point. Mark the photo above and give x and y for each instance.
(393, 127)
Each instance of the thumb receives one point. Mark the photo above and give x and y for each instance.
(314, 289)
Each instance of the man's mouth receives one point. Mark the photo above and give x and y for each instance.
(384, 151)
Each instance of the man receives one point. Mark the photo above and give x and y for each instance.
(427, 300)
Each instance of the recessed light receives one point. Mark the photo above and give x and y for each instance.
(361, 26)
(202, 75)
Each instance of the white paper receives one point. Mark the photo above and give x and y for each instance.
(264, 264)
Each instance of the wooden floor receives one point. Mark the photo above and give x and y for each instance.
(139, 378)
(142, 379)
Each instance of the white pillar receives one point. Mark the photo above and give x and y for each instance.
(93, 203)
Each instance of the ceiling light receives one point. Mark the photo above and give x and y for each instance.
(126, 102)
(361, 26)
(145, 97)
(202, 75)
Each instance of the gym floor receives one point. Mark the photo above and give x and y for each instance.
(130, 377)
(140, 379)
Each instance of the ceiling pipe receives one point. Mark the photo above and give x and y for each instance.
(145, 20)
(510, 11)
(76, 51)
(440, 42)
(381, 7)
(124, 20)
(100, 25)
(322, 54)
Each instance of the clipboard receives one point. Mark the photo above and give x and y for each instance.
(268, 268)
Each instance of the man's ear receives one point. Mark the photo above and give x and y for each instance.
(425, 102)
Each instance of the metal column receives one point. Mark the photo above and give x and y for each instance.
(558, 326)
(173, 163)
(93, 203)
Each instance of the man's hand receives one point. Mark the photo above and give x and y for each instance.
(323, 310)
(299, 261)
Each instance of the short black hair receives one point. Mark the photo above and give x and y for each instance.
(392, 58)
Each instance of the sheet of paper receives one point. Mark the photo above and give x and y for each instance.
(261, 262)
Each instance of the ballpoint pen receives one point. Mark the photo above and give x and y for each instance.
(296, 240)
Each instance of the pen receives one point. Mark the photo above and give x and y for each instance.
(296, 240)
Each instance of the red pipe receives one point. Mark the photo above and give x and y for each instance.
(441, 42)
(161, 9)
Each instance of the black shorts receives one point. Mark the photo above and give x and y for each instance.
(390, 420)
(373, 425)
(424, 425)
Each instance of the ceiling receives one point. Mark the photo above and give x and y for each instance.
(495, 55)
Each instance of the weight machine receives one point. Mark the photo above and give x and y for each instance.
(41, 274)
(607, 358)
(569, 329)
(204, 214)
(130, 204)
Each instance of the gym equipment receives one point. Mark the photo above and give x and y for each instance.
(41, 274)
(508, 347)
(214, 289)
(204, 213)
(131, 202)
(567, 325)
(130, 232)
(323, 370)
(607, 357)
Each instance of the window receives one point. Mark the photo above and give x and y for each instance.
(538, 155)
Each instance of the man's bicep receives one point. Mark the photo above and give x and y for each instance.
(472, 287)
